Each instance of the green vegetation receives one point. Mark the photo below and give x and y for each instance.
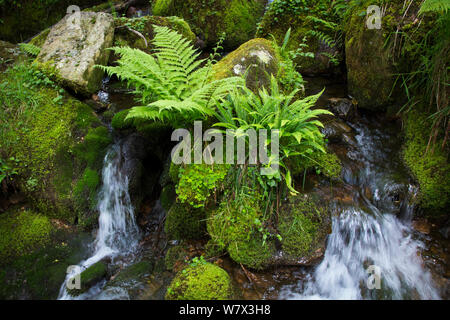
(89, 277)
(174, 256)
(295, 121)
(301, 225)
(22, 232)
(198, 182)
(210, 19)
(204, 281)
(53, 139)
(185, 222)
(431, 169)
(173, 87)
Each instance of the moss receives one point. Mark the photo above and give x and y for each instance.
(327, 164)
(198, 182)
(89, 277)
(236, 227)
(56, 138)
(168, 196)
(39, 40)
(174, 172)
(431, 169)
(201, 282)
(86, 187)
(252, 253)
(175, 255)
(185, 222)
(119, 122)
(133, 272)
(258, 56)
(303, 225)
(283, 15)
(22, 232)
(40, 273)
(210, 19)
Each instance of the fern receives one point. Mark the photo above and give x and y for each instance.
(170, 84)
(440, 6)
(30, 49)
(328, 40)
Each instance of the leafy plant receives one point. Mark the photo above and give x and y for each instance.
(171, 84)
(7, 169)
(29, 48)
(298, 129)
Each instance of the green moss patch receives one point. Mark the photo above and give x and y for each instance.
(202, 282)
(431, 169)
(185, 222)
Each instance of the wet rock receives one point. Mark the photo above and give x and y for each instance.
(90, 277)
(256, 57)
(342, 107)
(74, 46)
(336, 130)
(421, 226)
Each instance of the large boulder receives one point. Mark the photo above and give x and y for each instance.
(237, 18)
(75, 45)
(257, 57)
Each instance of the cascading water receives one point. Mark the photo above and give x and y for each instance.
(118, 234)
(370, 232)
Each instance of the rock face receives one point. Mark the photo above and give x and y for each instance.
(283, 15)
(257, 57)
(209, 19)
(75, 45)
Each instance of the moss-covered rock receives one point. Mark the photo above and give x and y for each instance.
(22, 232)
(209, 19)
(258, 56)
(89, 277)
(129, 276)
(375, 56)
(303, 224)
(312, 24)
(431, 169)
(144, 25)
(185, 222)
(39, 40)
(58, 141)
(38, 274)
(327, 164)
(201, 282)
(236, 226)
(168, 196)
(38, 14)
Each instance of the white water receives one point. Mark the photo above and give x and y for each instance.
(118, 234)
(368, 233)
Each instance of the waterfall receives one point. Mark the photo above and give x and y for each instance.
(118, 234)
(370, 234)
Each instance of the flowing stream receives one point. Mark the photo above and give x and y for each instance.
(117, 235)
(372, 235)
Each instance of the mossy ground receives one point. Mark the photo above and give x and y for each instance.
(58, 142)
(185, 222)
(202, 282)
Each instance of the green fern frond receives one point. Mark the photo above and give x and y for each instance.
(30, 49)
(440, 6)
(171, 84)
